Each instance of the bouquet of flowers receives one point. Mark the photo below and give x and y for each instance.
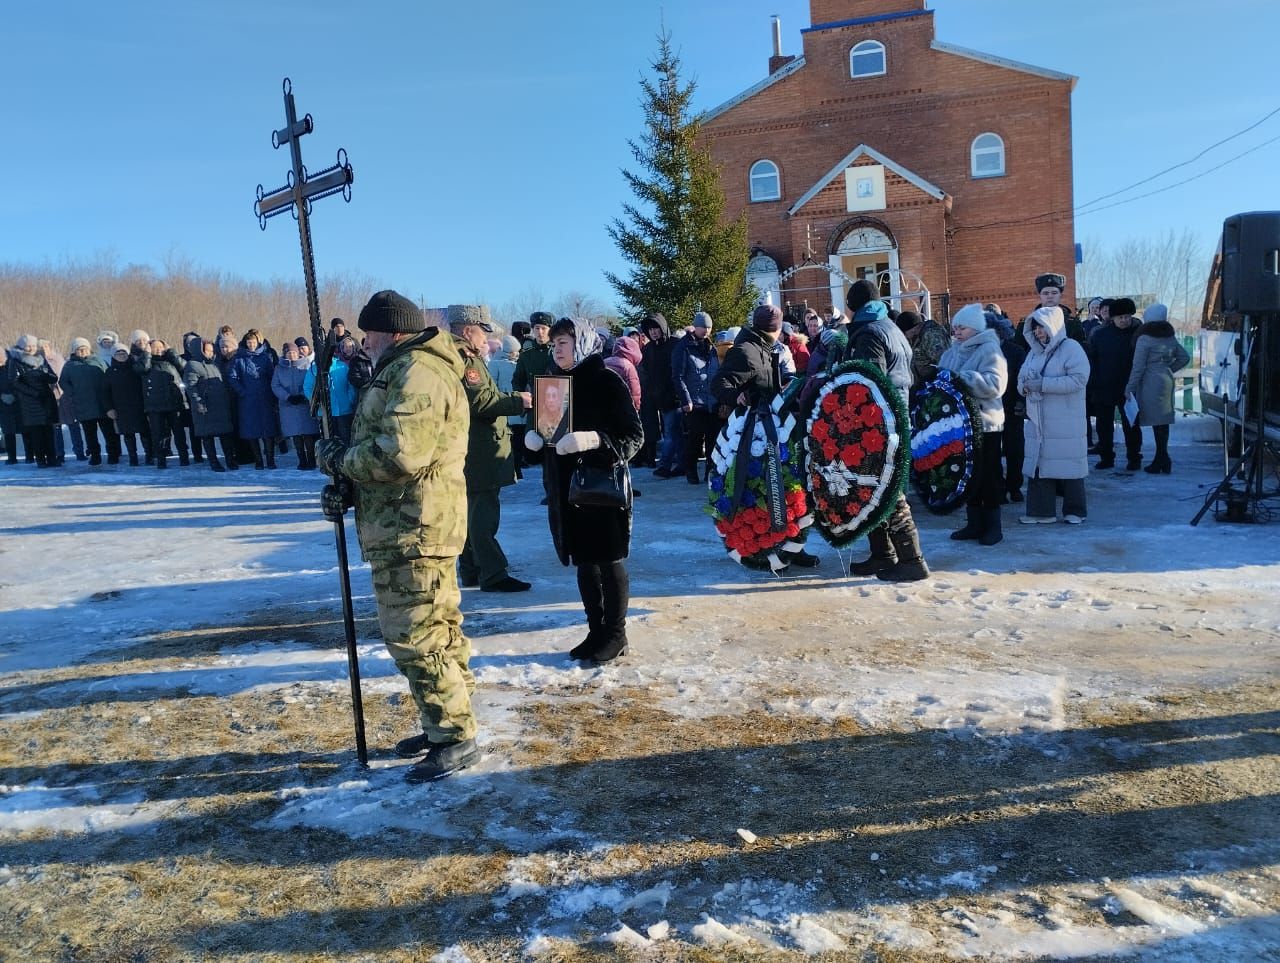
(858, 457)
(944, 445)
(755, 490)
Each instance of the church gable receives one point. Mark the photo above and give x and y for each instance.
(866, 180)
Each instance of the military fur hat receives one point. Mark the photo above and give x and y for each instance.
(542, 317)
(1122, 306)
(1050, 281)
(392, 313)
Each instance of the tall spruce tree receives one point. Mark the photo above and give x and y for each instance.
(682, 253)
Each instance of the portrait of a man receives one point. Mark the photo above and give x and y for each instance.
(552, 401)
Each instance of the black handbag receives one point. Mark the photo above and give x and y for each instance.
(596, 487)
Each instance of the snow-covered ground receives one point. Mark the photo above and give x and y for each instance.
(119, 586)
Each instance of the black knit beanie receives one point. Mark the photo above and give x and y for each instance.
(861, 293)
(392, 313)
(767, 317)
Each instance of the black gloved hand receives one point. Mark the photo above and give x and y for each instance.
(329, 452)
(335, 499)
(297, 399)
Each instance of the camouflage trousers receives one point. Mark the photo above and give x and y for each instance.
(418, 610)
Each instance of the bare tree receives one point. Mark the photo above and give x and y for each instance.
(1172, 269)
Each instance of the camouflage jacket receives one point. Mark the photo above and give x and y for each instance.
(489, 460)
(408, 447)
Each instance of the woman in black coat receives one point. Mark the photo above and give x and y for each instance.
(162, 399)
(33, 382)
(210, 400)
(124, 404)
(605, 432)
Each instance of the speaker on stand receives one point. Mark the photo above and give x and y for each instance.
(1251, 288)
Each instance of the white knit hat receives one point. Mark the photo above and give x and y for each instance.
(970, 316)
(139, 335)
(78, 343)
(1157, 312)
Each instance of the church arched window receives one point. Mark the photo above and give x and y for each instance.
(867, 59)
(766, 183)
(986, 156)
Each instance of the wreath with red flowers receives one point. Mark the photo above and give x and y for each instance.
(739, 489)
(858, 451)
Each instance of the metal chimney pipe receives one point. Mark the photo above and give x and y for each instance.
(777, 36)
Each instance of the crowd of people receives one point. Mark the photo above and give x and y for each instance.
(143, 402)
(426, 482)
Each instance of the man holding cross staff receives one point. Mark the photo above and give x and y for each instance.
(403, 473)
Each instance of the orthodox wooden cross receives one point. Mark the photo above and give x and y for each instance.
(300, 190)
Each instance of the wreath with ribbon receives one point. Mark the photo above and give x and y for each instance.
(756, 492)
(944, 445)
(858, 455)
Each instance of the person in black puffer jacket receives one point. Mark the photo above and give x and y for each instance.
(33, 381)
(162, 400)
(1013, 445)
(124, 405)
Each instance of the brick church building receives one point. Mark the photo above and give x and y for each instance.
(882, 151)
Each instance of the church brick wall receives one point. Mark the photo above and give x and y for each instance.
(923, 115)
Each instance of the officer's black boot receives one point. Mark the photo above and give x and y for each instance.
(882, 553)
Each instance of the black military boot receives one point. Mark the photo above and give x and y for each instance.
(1107, 460)
(973, 525)
(413, 746)
(882, 553)
(910, 566)
(442, 759)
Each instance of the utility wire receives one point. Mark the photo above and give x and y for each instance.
(1188, 180)
(1053, 215)
(1147, 180)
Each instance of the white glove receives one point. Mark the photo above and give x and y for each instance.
(577, 441)
(533, 441)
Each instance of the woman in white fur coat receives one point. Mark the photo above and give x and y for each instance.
(1053, 380)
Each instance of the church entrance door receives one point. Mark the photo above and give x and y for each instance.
(866, 252)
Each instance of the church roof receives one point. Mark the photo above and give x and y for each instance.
(750, 92)
(1005, 62)
(862, 150)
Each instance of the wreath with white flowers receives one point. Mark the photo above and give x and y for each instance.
(755, 489)
(944, 445)
(858, 456)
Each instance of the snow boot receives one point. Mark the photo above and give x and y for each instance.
(1108, 460)
(214, 464)
(992, 532)
(910, 566)
(882, 554)
(974, 525)
(1133, 462)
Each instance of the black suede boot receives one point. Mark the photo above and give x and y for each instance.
(973, 525)
(992, 531)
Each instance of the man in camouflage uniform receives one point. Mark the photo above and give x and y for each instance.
(403, 472)
(490, 466)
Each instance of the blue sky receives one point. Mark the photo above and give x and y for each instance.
(487, 138)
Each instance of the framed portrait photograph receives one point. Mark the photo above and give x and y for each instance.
(553, 407)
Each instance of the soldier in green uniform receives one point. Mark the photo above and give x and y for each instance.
(490, 464)
(403, 472)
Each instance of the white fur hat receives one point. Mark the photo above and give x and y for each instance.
(139, 335)
(970, 316)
